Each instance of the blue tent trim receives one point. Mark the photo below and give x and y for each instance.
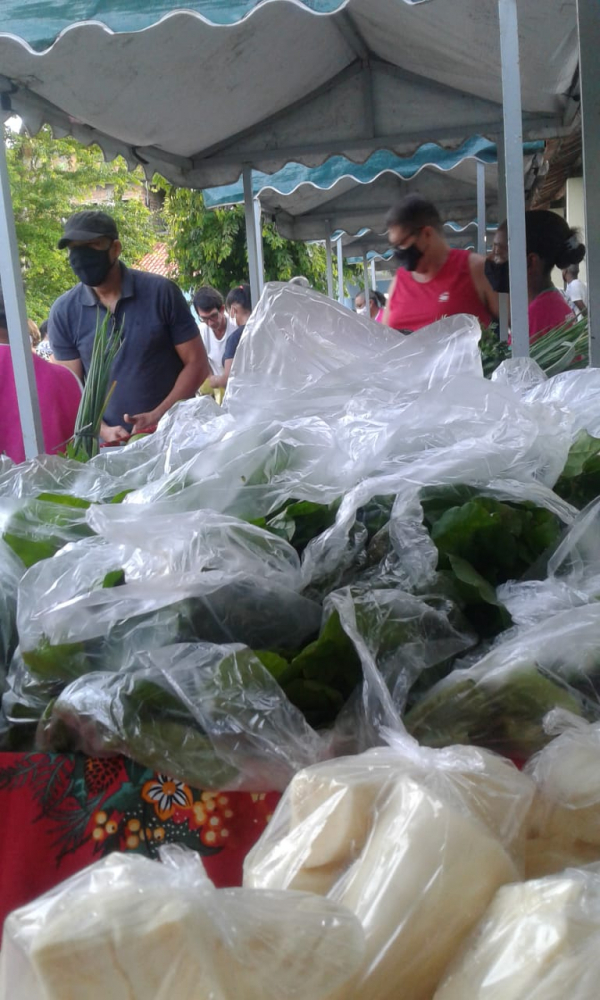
(290, 177)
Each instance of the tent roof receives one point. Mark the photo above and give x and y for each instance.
(197, 94)
(311, 204)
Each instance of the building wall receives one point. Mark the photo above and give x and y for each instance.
(576, 213)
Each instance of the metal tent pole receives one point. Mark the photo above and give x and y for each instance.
(481, 221)
(373, 274)
(259, 245)
(502, 299)
(16, 318)
(251, 241)
(366, 277)
(589, 42)
(329, 255)
(515, 188)
(340, 264)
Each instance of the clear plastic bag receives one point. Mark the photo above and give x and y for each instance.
(11, 571)
(578, 392)
(415, 842)
(212, 716)
(573, 575)
(564, 827)
(302, 349)
(128, 928)
(501, 701)
(38, 528)
(539, 940)
(402, 641)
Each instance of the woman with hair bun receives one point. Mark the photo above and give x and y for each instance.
(551, 242)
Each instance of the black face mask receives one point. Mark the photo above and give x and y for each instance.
(497, 275)
(408, 258)
(90, 265)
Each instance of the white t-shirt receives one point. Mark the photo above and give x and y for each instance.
(576, 292)
(214, 346)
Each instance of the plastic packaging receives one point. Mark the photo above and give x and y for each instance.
(207, 578)
(564, 827)
(128, 928)
(38, 528)
(501, 701)
(573, 575)
(11, 571)
(301, 348)
(211, 716)
(539, 940)
(402, 641)
(415, 842)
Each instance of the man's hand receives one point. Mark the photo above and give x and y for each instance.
(113, 435)
(143, 421)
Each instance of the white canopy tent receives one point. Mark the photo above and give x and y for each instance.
(303, 80)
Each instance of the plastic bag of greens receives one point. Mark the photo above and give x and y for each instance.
(398, 835)
(212, 716)
(573, 575)
(501, 701)
(564, 826)
(254, 469)
(538, 939)
(11, 571)
(404, 643)
(37, 528)
(468, 433)
(55, 475)
(133, 929)
(203, 578)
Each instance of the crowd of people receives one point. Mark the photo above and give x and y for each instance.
(167, 354)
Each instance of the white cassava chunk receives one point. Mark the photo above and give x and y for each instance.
(539, 940)
(132, 929)
(564, 822)
(426, 876)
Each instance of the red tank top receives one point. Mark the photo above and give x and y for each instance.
(415, 304)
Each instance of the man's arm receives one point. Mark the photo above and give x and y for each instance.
(220, 381)
(194, 372)
(73, 363)
(482, 286)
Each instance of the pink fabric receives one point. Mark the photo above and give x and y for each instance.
(59, 394)
(379, 316)
(546, 312)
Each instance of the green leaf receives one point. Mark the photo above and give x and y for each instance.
(114, 579)
(469, 576)
(68, 501)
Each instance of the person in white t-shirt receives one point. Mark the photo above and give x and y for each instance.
(575, 289)
(215, 327)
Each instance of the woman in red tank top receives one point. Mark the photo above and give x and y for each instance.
(433, 280)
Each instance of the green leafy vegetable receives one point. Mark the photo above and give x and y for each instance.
(579, 482)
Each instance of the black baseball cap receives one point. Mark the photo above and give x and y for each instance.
(88, 226)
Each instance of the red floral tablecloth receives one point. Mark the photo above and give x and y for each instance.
(61, 812)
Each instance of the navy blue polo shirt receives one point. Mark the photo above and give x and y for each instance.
(155, 318)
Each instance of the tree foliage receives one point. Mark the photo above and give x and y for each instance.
(209, 247)
(51, 178)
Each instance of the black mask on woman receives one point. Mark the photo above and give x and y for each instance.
(497, 275)
(408, 258)
(90, 265)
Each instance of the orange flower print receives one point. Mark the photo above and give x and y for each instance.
(166, 795)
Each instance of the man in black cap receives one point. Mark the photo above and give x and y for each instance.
(162, 358)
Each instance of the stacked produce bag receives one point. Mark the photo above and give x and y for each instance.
(369, 581)
(133, 929)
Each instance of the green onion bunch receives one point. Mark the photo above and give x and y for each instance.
(97, 389)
